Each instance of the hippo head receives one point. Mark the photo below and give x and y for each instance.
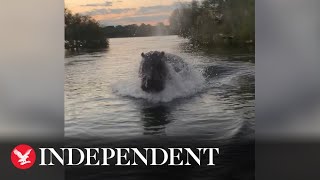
(153, 71)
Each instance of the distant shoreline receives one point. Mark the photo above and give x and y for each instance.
(141, 36)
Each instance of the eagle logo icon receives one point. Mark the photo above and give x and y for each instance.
(23, 156)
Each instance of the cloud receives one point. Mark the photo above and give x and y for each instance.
(157, 9)
(119, 11)
(134, 20)
(108, 11)
(157, 13)
(107, 3)
(140, 11)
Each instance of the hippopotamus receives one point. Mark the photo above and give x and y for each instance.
(155, 70)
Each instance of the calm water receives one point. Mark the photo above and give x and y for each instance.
(103, 98)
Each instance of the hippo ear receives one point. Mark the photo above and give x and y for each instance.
(142, 55)
(162, 54)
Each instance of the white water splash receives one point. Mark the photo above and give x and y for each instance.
(183, 84)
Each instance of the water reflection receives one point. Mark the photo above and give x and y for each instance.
(247, 85)
(215, 71)
(155, 119)
(69, 53)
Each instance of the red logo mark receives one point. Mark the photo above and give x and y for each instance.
(23, 156)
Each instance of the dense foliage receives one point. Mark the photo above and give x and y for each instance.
(83, 32)
(216, 23)
(134, 30)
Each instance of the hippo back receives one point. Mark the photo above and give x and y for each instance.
(176, 62)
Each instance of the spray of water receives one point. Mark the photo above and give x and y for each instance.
(184, 83)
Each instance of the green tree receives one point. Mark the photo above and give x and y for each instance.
(83, 32)
(216, 23)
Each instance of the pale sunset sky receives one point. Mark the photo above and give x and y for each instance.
(123, 12)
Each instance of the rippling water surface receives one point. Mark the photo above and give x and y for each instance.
(103, 98)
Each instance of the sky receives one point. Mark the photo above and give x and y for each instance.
(124, 12)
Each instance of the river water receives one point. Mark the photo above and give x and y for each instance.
(103, 98)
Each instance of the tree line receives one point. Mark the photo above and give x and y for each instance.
(135, 30)
(216, 23)
(83, 32)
